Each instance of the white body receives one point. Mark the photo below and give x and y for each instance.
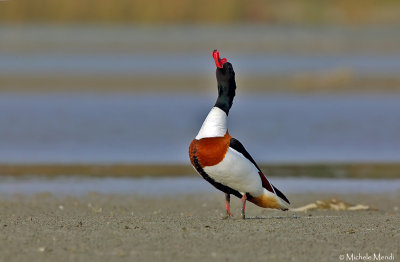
(237, 172)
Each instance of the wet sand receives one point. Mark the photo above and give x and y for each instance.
(99, 227)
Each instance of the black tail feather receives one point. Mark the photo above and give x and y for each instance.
(281, 195)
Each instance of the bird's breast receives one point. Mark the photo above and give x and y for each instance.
(209, 151)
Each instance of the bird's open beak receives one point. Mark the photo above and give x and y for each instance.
(218, 61)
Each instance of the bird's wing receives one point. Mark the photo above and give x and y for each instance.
(235, 144)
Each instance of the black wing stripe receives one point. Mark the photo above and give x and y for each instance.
(235, 144)
(281, 195)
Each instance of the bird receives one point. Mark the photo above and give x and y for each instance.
(222, 160)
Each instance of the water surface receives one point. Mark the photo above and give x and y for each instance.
(185, 185)
(132, 128)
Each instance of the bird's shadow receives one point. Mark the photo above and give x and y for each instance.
(293, 216)
(272, 217)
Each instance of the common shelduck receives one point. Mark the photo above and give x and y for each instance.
(222, 160)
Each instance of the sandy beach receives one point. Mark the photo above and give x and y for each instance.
(100, 227)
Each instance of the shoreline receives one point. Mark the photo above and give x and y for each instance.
(314, 170)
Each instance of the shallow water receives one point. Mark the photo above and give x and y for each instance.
(255, 49)
(193, 64)
(150, 128)
(184, 185)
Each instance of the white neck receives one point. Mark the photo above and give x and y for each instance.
(214, 125)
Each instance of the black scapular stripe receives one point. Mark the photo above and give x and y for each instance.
(281, 195)
(217, 185)
(235, 144)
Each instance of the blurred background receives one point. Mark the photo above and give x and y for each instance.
(122, 87)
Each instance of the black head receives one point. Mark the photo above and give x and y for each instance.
(226, 86)
(225, 75)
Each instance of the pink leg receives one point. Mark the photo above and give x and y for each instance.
(244, 198)
(228, 201)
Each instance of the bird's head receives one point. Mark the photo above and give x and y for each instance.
(226, 82)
